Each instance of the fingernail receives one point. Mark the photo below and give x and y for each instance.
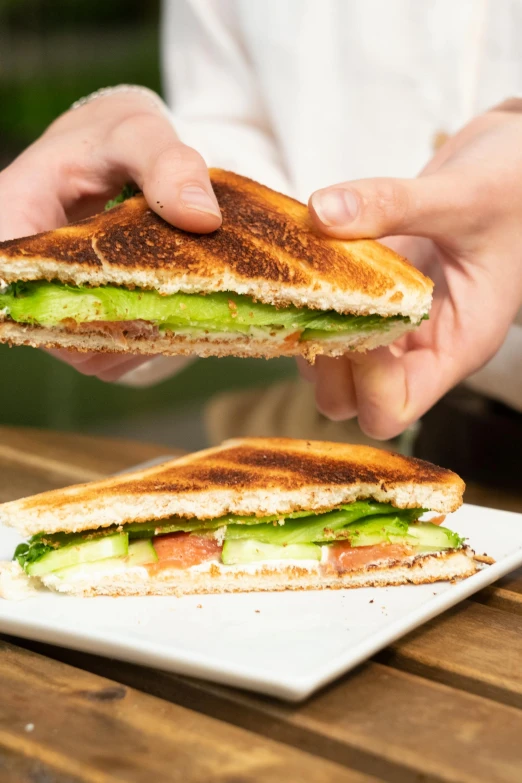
(195, 197)
(154, 371)
(335, 207)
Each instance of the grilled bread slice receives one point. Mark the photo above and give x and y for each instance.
(266, 249)
(245, 476)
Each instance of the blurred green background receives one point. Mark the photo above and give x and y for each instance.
(52, 52)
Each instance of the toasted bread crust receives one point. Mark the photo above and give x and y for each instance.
(249, 476)
(266, 248)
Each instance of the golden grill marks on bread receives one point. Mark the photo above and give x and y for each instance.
(266, 248)
(245, 476)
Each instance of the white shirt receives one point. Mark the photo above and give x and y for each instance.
(300, 94)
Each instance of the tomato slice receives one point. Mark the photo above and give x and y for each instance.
(350, 558)
(437, 520)
(183, 550)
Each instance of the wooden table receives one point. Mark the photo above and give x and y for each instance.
(442, 704)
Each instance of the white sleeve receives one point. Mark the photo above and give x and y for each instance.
(211, 88)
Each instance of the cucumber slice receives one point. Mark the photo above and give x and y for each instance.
(91, 570)
(250, 551)
(80, 552)
(434, 537)
(141, 553)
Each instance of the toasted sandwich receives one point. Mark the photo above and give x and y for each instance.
(251, 514)
(264, 285)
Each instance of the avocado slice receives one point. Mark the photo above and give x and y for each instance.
(352, 511)
(332, 526)
(335, 325)
(50, 303)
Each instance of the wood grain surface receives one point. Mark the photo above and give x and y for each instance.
(65, 722)
(35, 460)
(506, 594)
(442, 704)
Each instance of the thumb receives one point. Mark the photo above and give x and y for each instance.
(371, 208)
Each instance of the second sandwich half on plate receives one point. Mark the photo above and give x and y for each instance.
(251, 514)
(265, 284)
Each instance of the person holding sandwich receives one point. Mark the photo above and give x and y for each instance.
(343, 102)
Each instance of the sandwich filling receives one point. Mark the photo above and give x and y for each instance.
(124, 313)
(359, 535)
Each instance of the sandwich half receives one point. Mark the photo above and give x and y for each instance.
(264, 284)
(251, 514)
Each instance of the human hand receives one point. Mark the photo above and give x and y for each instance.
(460, 222)
(83, 159)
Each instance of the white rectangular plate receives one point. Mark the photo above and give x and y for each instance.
(284, 644)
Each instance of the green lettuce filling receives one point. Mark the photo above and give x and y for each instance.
(128, 191)
(31, 552)
(51, 304)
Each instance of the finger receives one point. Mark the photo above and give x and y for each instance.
(29, 204)
(129, 370)
(117, 371)
(395, 391)
(174, 178)
(107, 367)
(334, 389)
(428, 206)
(307, 371)
(78, 359)
(71, 357)
(154, 370)
(86, 155)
